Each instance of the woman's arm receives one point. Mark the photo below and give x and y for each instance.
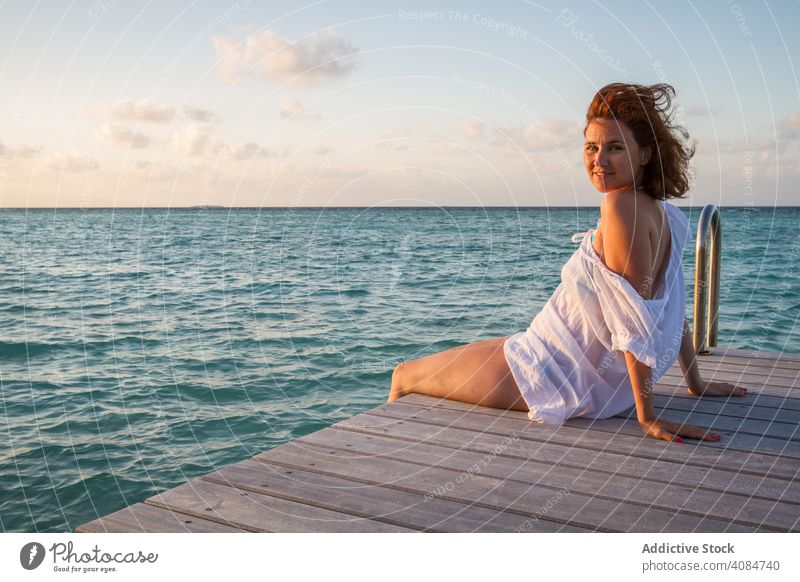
(691, 373)
(642, 383)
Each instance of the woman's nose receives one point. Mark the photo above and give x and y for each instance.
(600, 158)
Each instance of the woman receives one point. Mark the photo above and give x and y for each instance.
(617, 321)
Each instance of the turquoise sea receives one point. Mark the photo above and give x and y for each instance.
(142, 348)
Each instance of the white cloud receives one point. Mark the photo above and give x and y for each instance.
(472, 129)
(197, 140)
(201, 115)
(554, 135)
(245, 151)
(20, 153)
(119, 136)
(307, 62)
(143, 110)
(790, 127)
(294, 109)
(72, 162)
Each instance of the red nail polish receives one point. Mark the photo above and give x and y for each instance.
(679, 441)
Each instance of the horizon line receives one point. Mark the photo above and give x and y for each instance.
(214, 207)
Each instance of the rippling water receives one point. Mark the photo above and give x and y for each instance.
(142, 348)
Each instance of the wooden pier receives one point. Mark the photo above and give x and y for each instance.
(437, 465)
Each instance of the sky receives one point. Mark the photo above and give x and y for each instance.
(116, 103)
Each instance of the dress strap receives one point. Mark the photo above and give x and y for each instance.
(579, 236)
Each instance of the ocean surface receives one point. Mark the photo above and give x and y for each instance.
(142, 348)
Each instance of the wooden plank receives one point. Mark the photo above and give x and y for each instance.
(734, 408)
(784, 358)
(750, 406)
(759, 400)
(380, 502)
(717, 478)
(749, 376)
(630, 441)
(143, 518)
(501, 495)
(670, 494)
(255, 512)
(720, 423)
(737, 438)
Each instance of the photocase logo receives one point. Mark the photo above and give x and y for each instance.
(31, 555)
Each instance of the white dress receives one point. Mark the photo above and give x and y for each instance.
(571, 362)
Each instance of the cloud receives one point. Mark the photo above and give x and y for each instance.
(197, 140)
(119, 136)
(294, 109)
(21, 153)
(789, 128)
(200, 115)
(246, 151)
(144, 111)
(445, 148)
(308, 62)
(200, 141)
(472, 129)
(72, 162)
(555, 135)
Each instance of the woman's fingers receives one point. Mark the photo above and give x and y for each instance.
(697, 432)
(673, 431)
(657, 430)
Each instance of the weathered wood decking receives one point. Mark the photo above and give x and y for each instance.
(428, 464)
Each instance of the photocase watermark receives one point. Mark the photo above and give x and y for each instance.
(548, 506)
(509, 100)
(568, 20)
(101, 7)
(169, 70)
(739, 263)
(736, 10)
(67, 559)
(475, 469)
(487, 22)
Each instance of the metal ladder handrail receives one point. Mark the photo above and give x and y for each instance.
(708, 227)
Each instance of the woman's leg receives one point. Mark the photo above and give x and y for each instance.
(475, 373)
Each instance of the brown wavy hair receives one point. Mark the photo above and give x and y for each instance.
(646, 111)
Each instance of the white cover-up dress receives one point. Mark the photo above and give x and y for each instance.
(570, 361)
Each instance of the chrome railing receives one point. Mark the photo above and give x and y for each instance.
(706, 286)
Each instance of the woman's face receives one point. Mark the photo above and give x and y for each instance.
(613, 159)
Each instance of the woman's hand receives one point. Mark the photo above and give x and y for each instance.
(667, 430)
(716, 389)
